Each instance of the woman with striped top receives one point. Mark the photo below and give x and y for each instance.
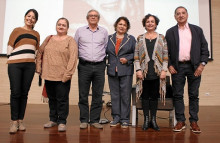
(22, 44)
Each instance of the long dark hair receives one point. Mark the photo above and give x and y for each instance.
(35, 14)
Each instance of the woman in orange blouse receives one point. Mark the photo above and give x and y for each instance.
(58, 65)
(120, 69)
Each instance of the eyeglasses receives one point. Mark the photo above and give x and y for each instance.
(93, 16)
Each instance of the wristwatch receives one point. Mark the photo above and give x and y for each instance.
(203, 63)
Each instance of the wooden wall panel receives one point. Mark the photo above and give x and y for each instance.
(209, 89)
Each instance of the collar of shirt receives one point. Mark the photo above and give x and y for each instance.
(87, 27)
(185, 26)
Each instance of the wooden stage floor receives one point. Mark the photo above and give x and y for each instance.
(37, 115)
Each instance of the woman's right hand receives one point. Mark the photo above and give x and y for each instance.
(139, 74)
(38, 72)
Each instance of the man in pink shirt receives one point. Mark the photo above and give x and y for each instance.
(188, 55)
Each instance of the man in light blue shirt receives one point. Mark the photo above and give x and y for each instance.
(92, 41)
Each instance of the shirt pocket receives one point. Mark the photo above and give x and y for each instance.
(86, 38)
(99, 38)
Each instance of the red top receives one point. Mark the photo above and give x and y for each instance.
(118, 43)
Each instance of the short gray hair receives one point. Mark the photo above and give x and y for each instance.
(87, 16)
(178, 8)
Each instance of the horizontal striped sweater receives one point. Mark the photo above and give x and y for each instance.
(22, 45)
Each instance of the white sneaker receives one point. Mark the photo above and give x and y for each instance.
(21, 126)
(62, 128)
(13, 127)
(50, 124)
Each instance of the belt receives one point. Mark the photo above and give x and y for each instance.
(184, 62)
(81, 61)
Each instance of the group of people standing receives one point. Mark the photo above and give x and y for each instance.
(183, 51)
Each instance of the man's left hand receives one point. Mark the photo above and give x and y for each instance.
(199, 70)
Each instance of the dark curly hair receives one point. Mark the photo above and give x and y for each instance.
(157, 20)
(125, 19)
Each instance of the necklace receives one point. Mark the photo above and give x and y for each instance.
(150, 36)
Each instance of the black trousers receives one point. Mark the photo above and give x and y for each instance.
(20, 77)
(151, 90)
(150, 96)
(120, 90)
(58, 94)
(91, 73)
(178, 83)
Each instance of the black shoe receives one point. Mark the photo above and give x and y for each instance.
(146, 123)
(153, 124)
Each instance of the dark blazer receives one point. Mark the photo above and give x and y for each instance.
(199, 47)
(126, 50)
